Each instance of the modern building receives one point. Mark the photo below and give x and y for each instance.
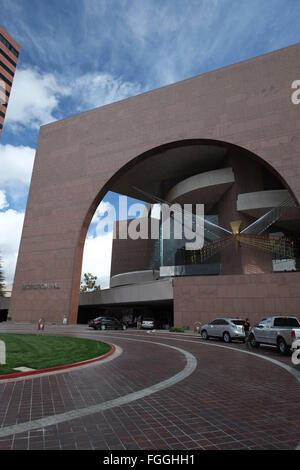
(9, 54)
(228, 139)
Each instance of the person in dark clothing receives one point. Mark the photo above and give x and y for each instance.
(246, 326)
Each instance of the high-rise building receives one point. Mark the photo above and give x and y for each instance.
(9, 53)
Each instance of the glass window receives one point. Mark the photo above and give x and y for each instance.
(2, 53)
(286, 322)
(6, 68)
(5, 79)
(8, 45)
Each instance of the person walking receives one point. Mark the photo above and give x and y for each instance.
(246, 326)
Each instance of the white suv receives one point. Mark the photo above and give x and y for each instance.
(226, 328)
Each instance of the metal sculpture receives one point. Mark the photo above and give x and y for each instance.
(218, 237)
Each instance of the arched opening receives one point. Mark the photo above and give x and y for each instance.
(232, 183)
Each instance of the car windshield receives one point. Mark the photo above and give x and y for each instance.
(148, 319)
(286, 321)
(237, 322)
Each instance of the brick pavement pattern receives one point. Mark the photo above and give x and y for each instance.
(230, 401)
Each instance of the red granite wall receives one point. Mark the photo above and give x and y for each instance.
(254, 296)
(129, 255)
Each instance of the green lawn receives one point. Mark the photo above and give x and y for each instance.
(41, 351)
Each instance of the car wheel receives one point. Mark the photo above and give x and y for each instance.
(204, 335)
(226, 337)
(253, 342)
(282, 346)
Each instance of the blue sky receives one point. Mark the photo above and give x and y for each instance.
(120, 48)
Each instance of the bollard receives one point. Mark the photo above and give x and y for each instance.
(65, 320)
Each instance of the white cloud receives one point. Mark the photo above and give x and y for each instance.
(16, 164)
(98, 89)
(98, 244)
(3, 201)
(16, 169)
(97, 258)
(103, 208)
(103, 221)
(34, 99)
(11, 223)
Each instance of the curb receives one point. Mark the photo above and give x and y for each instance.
(18, 375)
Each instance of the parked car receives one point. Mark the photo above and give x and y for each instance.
(148, 323)
(225, 328)
(278, 331)
(91, 322)
(107, 323)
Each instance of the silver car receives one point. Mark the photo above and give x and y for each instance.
(226, 328)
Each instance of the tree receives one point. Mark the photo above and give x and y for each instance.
(89, 283)
(2, 284)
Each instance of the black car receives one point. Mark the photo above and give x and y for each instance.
(106, 323)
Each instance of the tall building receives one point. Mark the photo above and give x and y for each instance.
(227, 139)
(9, 53)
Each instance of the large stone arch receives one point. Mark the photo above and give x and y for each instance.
(78, 159)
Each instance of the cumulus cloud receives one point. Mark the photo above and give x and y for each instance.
(15, 175)
(35, 99)
(104, 209)
(98, 244)
(97, 258)
(11, 223)
(3, 201)
(38, 97)
(16, 164)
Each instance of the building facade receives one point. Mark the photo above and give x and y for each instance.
(228, 139)
(9, 54)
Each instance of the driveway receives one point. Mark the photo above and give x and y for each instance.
(159, 391)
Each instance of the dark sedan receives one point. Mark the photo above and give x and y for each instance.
(106, 323)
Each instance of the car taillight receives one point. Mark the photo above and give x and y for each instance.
(293, 334)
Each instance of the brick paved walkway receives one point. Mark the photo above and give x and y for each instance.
(231, 400)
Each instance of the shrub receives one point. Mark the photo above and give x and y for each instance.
(177, 329)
